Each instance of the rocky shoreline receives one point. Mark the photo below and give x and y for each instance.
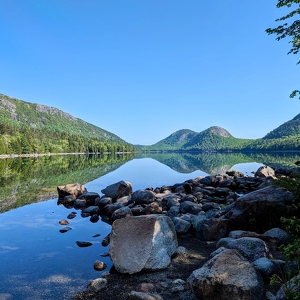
(213, 237)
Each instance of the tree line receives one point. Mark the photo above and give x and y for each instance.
(23, 140)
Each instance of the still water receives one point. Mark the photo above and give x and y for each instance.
(39, 262)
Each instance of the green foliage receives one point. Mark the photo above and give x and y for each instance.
(19, 113)
(290, 28)
(27, 141)
(291, 251)
(293, 185)
(288, 129)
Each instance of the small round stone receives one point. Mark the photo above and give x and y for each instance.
(63, 222)
(99, 265)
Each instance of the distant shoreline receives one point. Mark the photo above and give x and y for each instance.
(51, 154)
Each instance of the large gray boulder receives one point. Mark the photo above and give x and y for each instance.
(260, 208)
(142, 243)
(227, 276)
(118, 190)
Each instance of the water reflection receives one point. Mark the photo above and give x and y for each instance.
(219, 163)
(30, 180)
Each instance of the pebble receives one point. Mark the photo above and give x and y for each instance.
(63, 222)
(97, 284)
(96, 235)
(99, 265)
(72, 215)
(83, 244)
(65, 229)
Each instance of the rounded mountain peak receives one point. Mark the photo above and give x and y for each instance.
(219, 131)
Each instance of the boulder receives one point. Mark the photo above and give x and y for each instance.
(68, 200)
(227, 276)
(260, 209)
(265, 171)
(170, 200)
(89, 197)
(251, 248)
(142, 243)
(137, 210)
(213, 229)
(235, 173)
(280, 235)
(91, 210)
(153, 208)
(79, 204)
(97, 285)
(189, 197)
(122, 212)
(124, 200)
(292, 288)
(266, 267)
(190, 207)
(74, 189)
(210, 205)
(181, 226)
(143, 197)
(118, 190)
(103, 201)
(133, 295)
(237, 234)
(214, 213)
(109, 209)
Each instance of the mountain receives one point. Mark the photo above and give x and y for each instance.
(287, 129)
(211, 139)
(18, 113)
(173, 142)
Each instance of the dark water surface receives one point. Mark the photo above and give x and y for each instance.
(39, 262)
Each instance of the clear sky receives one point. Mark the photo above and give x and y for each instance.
(143, 69)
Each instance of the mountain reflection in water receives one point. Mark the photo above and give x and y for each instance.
(34, 179)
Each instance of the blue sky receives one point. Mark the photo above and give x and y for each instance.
(144, 69)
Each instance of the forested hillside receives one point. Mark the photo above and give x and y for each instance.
(212, 139)
(285, 137)
(287, 129)
(27, 128)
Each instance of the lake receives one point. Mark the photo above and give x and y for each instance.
(40, 262)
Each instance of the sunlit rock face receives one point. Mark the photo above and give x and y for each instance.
(142, 243)
(226, 276)
(75, 189)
